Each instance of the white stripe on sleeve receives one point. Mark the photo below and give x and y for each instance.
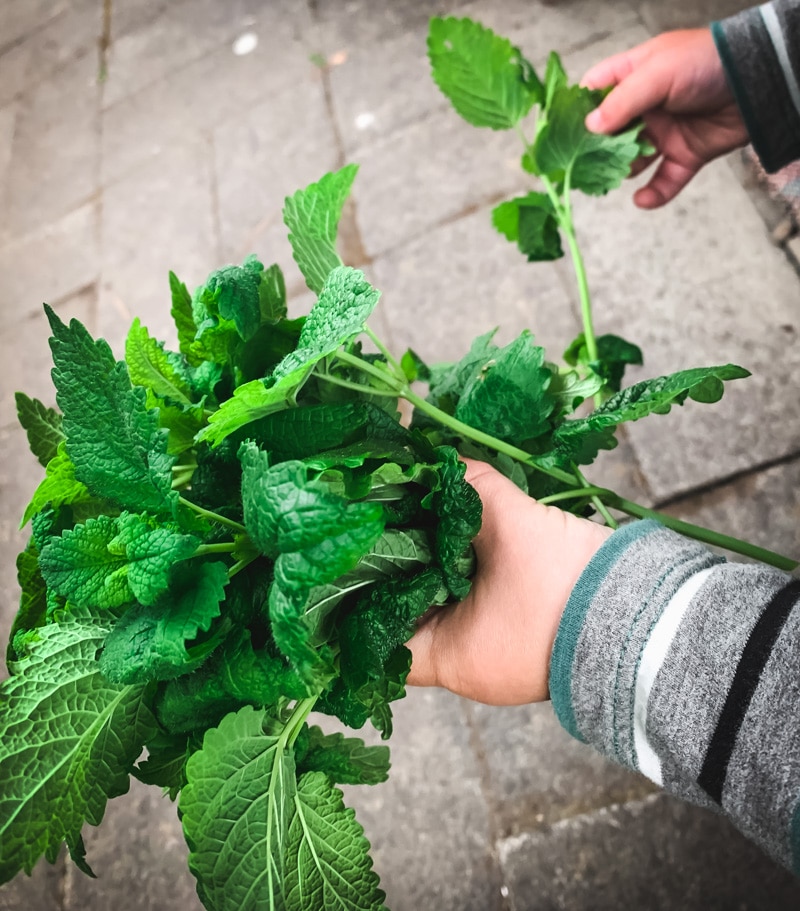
(653, 655)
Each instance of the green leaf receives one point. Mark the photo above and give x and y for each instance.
(329, 863)
(160, 371)
(312, 217)
(343, 307)
(68, 738)
(595, 163)
(42, 426)
(259, 839)
(272, 295)
(484, 76)
(108, 562)
(447, 381)
(580, 440)
(614, 354)
(114, 441)
(33, 599)
(506, 394)
(345, 760)
(151, 643)
(233, 294)
(165, 766)
(568, 390)
(60, 487)
(236, 810)
(182, 315)
(314, 538)
(530, 222)
(458, 507)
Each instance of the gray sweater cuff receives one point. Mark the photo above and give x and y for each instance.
(760, 52)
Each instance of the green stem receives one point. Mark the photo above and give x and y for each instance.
(295, 723)
(242, 564)
(222, 548)
(356, 387)
(398, 370)
(578, 494)
(716, 539)
(390, 381)
(214, 517)
(598, 504)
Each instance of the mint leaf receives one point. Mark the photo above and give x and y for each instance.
(329, 864)
(236, 810)
(151, 643)
(67, 740)
(233, 293)
(343, 307)
(345, 760)
(486, 78)
(33, 600)
(614, 354)
(42, 426)
(594, 163)
(312, 217)
(506, 394)
(581, 439)
(108, 562)
(530, 222)
(182, 315)
(160, 371)
(314, 538)
(272, 295)
(60, 487)
(114, 441)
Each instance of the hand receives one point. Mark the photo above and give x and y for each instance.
(677, 85)
(495, 646)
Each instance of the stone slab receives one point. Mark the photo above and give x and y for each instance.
(362, 23)
(186, 107)
(31, 374)
(157, 219)
(19, 18)
(276, 147)
(180, 33)
(538, 774)
(429, 824)
(658, 854)
(462, 280)
(539, 27)
(49, 264)
(13, 68)
(8, 117)
(54, 152)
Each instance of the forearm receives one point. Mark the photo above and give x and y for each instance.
(760, 51)
(675, 663)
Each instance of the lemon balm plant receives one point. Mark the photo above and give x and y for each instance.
(238, 533)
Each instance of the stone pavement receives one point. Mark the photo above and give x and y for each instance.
(135, 137)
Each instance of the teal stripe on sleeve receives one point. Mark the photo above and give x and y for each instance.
(575, 613)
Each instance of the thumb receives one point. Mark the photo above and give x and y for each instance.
(634, 96)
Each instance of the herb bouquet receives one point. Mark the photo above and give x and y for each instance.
(232, 535)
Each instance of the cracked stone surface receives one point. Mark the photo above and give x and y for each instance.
(172, 149)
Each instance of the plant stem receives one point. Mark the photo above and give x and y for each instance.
(598, 504)
(214, 517)
(390, 381)
(390, 360)
(295, 723)
(578, 494)
(356, 387)
(226, 547)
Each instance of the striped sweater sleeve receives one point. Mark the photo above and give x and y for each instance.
(678, 664)
(760, 52)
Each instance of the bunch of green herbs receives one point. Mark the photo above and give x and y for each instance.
(238, 533)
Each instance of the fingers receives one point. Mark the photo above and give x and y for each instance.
(669, 179)
(640, 92)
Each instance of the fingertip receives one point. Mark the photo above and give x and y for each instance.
(648, 198)
(594, 121)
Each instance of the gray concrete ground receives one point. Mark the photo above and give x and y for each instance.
(134, 139)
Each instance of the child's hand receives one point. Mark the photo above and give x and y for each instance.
(495, 646)
(677, 85)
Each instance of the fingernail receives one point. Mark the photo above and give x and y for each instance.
(593, 120)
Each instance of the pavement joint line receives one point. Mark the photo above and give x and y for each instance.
(511, 842)
(732, 478)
